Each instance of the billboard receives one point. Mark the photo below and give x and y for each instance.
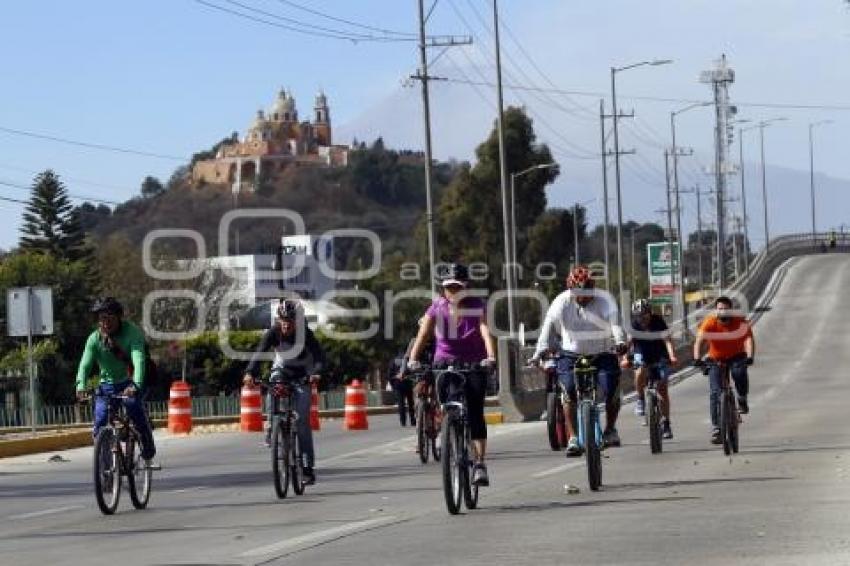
(662, 270)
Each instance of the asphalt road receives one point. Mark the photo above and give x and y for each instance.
(785, 499)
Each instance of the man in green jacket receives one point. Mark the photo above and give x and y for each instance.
(118, 349)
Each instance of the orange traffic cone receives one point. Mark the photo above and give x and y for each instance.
(355, 407)
(251, 411)
(314, 408)
(180, 408)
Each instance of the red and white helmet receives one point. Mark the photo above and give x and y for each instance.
(580, 278)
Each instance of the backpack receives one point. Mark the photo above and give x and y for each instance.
(151, 369)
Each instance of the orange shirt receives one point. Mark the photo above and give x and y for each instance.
(725, 340)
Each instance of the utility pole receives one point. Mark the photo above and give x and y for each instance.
(699, 237)
(744, 199)
(669, 220)
(605, 195)
(423, 76)
(575, 232)
(720, 78)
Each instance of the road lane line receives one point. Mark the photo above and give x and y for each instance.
(319, 537)
(45, 512)
(187, 489)
(557, 470)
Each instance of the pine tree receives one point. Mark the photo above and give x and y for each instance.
(51, 225)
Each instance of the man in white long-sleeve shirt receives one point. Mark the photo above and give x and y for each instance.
(584, 321)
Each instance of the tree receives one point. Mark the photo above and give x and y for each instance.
(50, 224)
(151, 187)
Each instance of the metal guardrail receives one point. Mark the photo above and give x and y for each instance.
(220, 406)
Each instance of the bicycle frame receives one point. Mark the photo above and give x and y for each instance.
(586, 390)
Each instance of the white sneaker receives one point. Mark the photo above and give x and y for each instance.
(640, 408)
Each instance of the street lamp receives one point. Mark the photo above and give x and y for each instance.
(762, 125)
(812, 126)
(513, 208)
(679, 273)
(614, 71)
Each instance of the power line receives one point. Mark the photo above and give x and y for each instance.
(67, 178)
(71, 195)
(348, 22)
(347, 36)
(90, 145)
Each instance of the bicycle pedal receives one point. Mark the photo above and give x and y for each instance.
(154, 467)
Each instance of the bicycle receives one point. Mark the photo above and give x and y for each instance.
(589, 427)
(556, 424)
(287, 458)
(455, 437)
(117, 453)
(653, 404)
(427, 419)
(729, 418)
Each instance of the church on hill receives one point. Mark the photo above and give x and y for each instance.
(275, 140)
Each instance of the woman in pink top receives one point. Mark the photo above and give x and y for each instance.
(459, 324)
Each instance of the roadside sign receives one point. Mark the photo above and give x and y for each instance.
(663, 278)
(19, 310)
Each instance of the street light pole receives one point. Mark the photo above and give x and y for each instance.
(605, 197)
(615, 117)
(575, 232)
(762, 125)
(514, 176)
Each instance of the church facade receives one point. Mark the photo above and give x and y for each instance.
(274, 141)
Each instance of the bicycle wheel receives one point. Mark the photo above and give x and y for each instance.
(555, 422)
(296, 463)
(107, 471)
(434, 431)
(139, 476)
(470, 492)
(591, 448)
(733, 426)
(422, 439)
(452, 468)
(280, 452)
(653, 418)
(725, 415)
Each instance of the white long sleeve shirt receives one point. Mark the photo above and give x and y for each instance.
(588, 330)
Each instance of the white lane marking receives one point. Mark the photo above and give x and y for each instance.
(557, 470)
(45, 512)
(318, 537)
(187, 489)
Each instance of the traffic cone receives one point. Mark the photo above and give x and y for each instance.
(314, 408)
(251, 411)
(355, 407)
(180, 408)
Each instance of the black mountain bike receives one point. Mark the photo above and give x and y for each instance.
(653, 405)
(589, 428)
(457, 461)
(556, 424)
(287, 459)
(729, 418)
(117, 453)
(427, 418)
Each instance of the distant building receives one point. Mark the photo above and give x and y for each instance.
(275, 140)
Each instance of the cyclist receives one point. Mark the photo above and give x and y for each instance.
(730, 340)
(117, 346)
(403, 390)
(580, 321)
(648, 350)
(833, 239)
(295, 357)
(459, 324)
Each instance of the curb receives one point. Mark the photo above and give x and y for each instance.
(59, 441)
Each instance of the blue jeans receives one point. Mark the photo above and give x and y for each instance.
(135, 410)
(607, 375)
(738, 369)
(301, 395)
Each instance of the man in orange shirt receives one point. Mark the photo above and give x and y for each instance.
(730, 340)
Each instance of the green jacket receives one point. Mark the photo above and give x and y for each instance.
(112, 370)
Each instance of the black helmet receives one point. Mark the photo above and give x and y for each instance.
(108, 305)
(454, 274)
(288, 309)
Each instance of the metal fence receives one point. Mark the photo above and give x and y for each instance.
(221, 406)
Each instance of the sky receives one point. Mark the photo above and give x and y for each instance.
(172, 77)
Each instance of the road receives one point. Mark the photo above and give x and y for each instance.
(783, 500)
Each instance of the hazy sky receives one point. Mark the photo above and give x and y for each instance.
(171, 77)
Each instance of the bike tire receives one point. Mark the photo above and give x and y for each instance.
(139, 476)
(280, 469)
(725, 411)
(296, 464)
(555, 423)
(452, 471)
(592, 446)
(470, 491)
(433, 431)
(733, 428)
(107, 471)
(654, 422)
(422, 440)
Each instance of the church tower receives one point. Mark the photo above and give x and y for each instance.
(322, 124)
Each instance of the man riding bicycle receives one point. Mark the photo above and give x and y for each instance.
(652, 346)
(118, 349)
(581, 321)
(459, 323)
(730, 340)
(294, 360)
